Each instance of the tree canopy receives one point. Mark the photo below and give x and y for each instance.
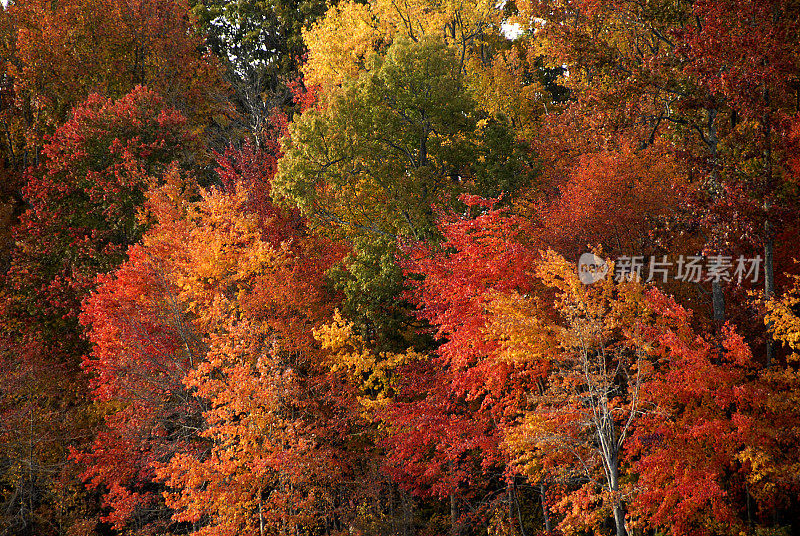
(394, 267)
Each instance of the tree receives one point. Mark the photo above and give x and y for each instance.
(448, 416)
(667, 69)
(713, 456)
(60, 53)
(260, 42)
(761, 96)
(84, 197)
(144, 344)
(206, 362)
(396, 141)
(370, 164)
(256, 304)
(581, 415)
(616, 198)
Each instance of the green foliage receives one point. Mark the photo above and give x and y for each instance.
(372, 281)
(399, 139)
(260, 43)
(258, 34)
(505, 167)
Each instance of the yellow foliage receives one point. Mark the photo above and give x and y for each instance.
(499, 89)
(372, 373)
(516, 324)
(340, 45)
(223, 249)
(579, 343)
(783, 319)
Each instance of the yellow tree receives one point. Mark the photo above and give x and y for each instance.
(340, 45)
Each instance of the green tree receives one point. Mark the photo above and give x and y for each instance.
(261, 44)
(397, 140)
(373, 163)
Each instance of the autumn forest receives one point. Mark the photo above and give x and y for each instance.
(400, 267)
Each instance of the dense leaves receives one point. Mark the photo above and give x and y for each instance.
(84, 201)
(296, 268)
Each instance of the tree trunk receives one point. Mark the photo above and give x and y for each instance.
(519, 510)
(407, 513)
(545, 513)
(260, 512)
(392, 516)
(769, 283)
(453, 510)
(769, 232)
(510, 494)
(718, 299)
(619, 508)
(619, 519)
(453, 515)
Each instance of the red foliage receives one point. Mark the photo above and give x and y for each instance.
(203, 340)
(614, 198)
(744, 50)
(143, 348)
(713, 442)
(86, 194)
(448, 421)
(250, 169)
